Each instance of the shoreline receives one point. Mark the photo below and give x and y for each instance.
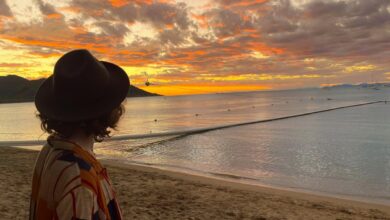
(255, 183)
(234, 181)
(146, 192)
(225, 182)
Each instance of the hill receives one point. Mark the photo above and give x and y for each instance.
(18, 89)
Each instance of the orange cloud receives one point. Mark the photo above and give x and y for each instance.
(70, 9)
(54, 16)
(118, 3)
(58, 44)
(13, 65)
(263, 48)
(122, 56)
(245, 3)
(202, 20)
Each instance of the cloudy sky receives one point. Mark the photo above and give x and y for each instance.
(197, 46)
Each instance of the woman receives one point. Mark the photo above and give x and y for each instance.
(77, 106)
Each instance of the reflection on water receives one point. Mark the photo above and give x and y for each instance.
(341, 152)
(157, 114)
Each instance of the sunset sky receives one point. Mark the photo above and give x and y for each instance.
(199, 46)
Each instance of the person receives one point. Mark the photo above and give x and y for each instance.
(77, 105)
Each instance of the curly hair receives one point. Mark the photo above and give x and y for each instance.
(98, 127)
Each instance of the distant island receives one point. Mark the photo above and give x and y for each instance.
(376, 86)
(18, 89)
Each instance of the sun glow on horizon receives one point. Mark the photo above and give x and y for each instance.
(193, 89)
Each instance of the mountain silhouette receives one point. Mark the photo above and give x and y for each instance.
(18, 89)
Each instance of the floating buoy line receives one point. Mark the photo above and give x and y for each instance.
(186, 132)
(227, 110)
(232, 109)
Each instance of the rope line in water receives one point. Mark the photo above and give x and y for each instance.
(227, 109)
(191, 131)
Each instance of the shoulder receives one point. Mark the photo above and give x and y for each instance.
(61, 158)
(66, 162)
(69, 156)
(74, 166)
(67, 171)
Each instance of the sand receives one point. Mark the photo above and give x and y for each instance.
(150, 193)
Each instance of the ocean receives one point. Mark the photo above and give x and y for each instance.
(343, 153)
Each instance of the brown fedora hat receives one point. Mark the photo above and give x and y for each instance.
(81, 88)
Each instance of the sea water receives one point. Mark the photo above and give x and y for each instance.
(343, 153)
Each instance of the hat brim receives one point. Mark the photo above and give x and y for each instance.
(52, 107)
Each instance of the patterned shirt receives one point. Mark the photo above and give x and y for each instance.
(69, 183)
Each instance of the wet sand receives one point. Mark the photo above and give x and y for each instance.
(150, 193)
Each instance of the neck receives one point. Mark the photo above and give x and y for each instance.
(84, 141)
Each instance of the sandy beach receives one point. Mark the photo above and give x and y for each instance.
(150, 193)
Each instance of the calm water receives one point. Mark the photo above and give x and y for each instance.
(344, 152)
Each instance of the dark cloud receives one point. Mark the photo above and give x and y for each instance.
(172, 36)
(45, 8)
(242, 4)
(165, 14)
(91, 5)
(126, 13)
(112, 29)
(159, 14)
(226, 22)
(326, 9)
(4, 9)
(364, 8)
(170, 20)
(273, 22)
(344, 29)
